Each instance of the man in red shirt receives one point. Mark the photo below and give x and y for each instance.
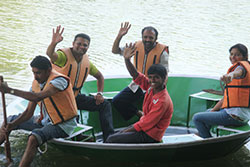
(157, 105)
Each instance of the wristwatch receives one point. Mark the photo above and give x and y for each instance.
(12, 91)
(100, 93)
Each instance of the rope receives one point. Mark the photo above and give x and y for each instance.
(45, 148)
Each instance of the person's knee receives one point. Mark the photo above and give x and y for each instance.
(115, 100)
(9, 119)
(12, 118)
(200, 117)
(196, 118)
(118, 99)
(32, 141)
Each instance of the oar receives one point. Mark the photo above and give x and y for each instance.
(7, 143)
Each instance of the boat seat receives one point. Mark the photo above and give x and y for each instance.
(106, 95)
(203, 96)
(80, 132)
(226, 130)
(180, 138)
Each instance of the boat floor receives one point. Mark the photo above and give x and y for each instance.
(176, 130)
(172, 134)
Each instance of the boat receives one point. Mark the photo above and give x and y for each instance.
(180, 142)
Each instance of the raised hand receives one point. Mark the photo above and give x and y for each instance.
(124, 29)
(57, 35)
(129, 51)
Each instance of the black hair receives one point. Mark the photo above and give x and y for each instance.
(41, 63)
(158, 69)
(242, 49)
(150, 28)
(82, 35)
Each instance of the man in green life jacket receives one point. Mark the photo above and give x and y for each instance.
(74, 63)
(57, 120)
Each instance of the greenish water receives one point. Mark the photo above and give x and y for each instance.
(199, 34)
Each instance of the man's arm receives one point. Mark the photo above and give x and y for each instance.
(56, 38)
(123, 31)
(31, 96)
(100, 81)
(227, 78)
(156, 113)
(218, 105)
(100, 85)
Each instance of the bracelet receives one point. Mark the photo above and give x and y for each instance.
(100, 93)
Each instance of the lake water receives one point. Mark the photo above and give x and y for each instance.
(199, 34)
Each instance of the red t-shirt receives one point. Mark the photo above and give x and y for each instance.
(157, 109)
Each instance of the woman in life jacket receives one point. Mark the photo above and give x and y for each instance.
(234, 108)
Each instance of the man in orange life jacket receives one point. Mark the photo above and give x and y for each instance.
(74, 63)
(148, 52)
(53, 92)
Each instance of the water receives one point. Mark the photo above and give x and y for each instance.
(199, 34)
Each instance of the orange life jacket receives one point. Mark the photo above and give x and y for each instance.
(61, 106)
(237, 92)
(153, 57)
(77, 72)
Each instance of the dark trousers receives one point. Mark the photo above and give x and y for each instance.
(124, 102)
(105, 113)
(130, 137)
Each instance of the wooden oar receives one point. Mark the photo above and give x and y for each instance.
(7, 143)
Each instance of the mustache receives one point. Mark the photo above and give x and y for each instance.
(148, 42)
